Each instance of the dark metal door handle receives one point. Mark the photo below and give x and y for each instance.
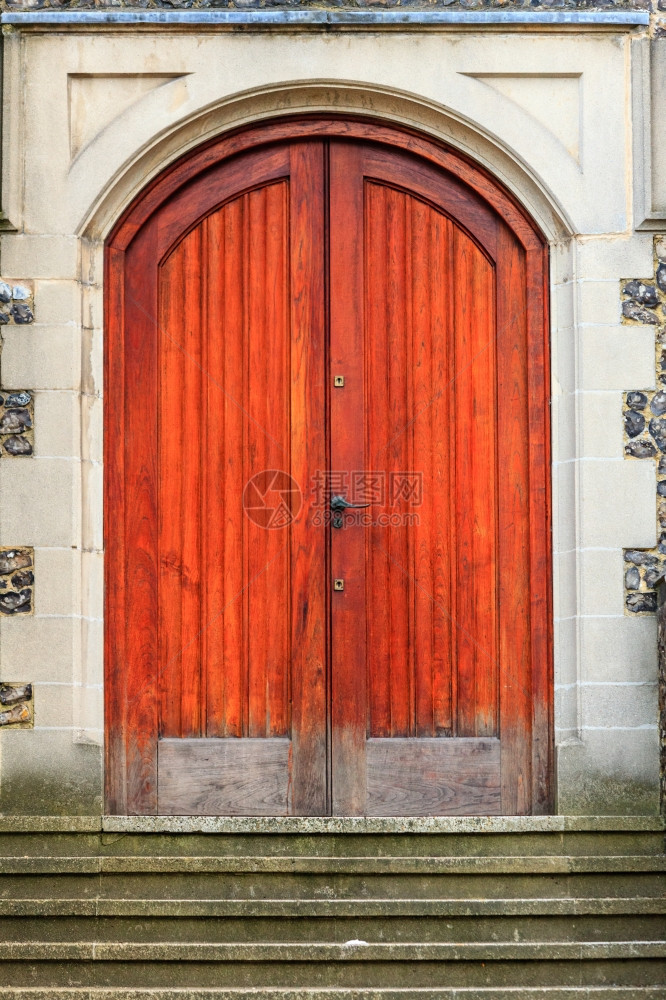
(338, 504)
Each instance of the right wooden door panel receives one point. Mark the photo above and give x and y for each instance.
(430, 416)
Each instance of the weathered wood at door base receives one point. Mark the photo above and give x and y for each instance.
(433, 776)
(210, 777)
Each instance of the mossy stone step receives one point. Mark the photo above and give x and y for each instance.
(352, 974)
(501, 907)
(336, 930)
(350, 951)
(14, 865)
(424, 993)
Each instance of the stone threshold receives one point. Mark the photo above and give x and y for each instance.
(328, 824)
(341, 17)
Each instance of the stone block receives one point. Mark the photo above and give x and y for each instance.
(614, 357)
(40, 500)
(566, 706)
(92, 584)
(42, 358)
(58, 416)
(610, 772)
(564, 506)
(618, 649)
(612, 256)
(597, 303)
(59, 572)
(49, 646)
(566, 654)
(563, 360)
(620, 706)
(565, 584)
(54, 705)
(601, 431)
(92, 483)
(92, 364)
(563, 305)
(89, 713)
(40, 256)
(601, 591)
(617, 503)
(44, 772)
(563, 418)
(59, 302)
(92, 429)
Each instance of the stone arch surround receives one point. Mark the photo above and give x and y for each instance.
(386, 109)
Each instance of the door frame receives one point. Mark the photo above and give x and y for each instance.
(118, 724)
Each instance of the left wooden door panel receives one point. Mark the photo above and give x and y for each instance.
(225, 699)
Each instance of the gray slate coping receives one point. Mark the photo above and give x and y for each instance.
(315, 16)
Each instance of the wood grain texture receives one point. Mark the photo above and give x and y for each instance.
(229, 346)
(513, 491)
(308, 562)
(204, 777)
(433, 777)
(224, 596)
(431, 588)
(138, 501)
(349, 639)
(239, 282)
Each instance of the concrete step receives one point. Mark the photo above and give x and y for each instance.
(511, 865)
(312, 966)
(353, 950)
(470, 907)
(356, 837)
(280, 909)
(386, 928)
(281, 886)
(406, 993)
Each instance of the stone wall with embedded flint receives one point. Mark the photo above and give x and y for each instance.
(16, 303)
(644, 304)
(16, 705)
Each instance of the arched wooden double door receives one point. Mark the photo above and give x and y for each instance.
(308, 311)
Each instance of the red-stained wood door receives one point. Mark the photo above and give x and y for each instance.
(341, 311)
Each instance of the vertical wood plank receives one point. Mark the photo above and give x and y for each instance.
(476, 520)
(213, 499)
(348, 608)
(397, 456)
(378, 434)
(540, 529)
(115, 656)
(267, 429)
(515, 695)
(277, 405)
(431, 235)
(233, 275)
(308, 542)
(170, 514)
(140, 518)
